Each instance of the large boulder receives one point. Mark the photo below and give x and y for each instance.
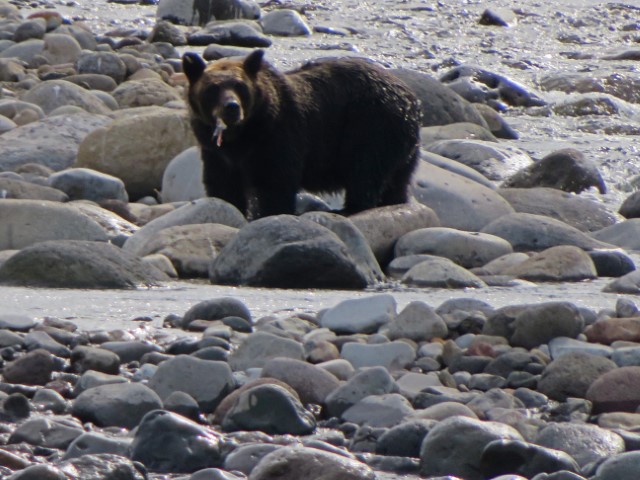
(287, 252)
(137, 147)
(59, 93)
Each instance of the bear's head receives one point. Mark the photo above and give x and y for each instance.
(221, 94)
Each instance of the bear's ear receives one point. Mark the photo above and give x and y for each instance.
(193, 66)
(253, 62)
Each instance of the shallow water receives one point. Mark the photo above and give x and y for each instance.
(431, 37)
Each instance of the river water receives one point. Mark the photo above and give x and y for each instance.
(571, 36)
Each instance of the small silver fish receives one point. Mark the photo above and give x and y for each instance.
(217, 133)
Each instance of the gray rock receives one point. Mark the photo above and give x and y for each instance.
(526, 231)
(623, 466)
(440, 104)
(572, 374)
(168, 443)
(360, 315)
(246, 457)
(457, 201)
(626, 356)
(144, 93)
(630, 207)
(456, 167)
(60, 49)
(28, 51)
(86, 184)
(129, 350)
(560, 346)
(47, 432)
(491, 160)
(354, 240)
(440, 272)
(105, 63)
(216, 309)
(621, 85)
(18, 189)
(563, 263)
(239, 33)
(532, 325)
(182, 179)
(116, 405)
(392, 355)
(42, 340)
(369, 381)
(137, 146)
(90, 443)
(271, 409)
(460, 130)
(286, 252)
(405, 439)
(16, 321)
(52, 141)
(205, 210)
(623, 234)
(464, 248)
(30, 29)
(383, 226)
(58, 93)
(418, 322)
(579, 212)
(90, 379)
(284, 22)
(38, 472)
(77, 264)
(208, 382)
(629, 284)
(310, 382)
(103, 466)
(310, 464)
(586, 443)
(384, 410)
(565, 169)
(455, 446)
(259, 347)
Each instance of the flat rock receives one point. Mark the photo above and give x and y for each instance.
(203, 211)
(579, 212)
(526, 231)
(116, 405)
(563, 263)
(310, 464)
(456, 167)
(440, 272)
(494, 161)
(393, 356)
(628, 283)
(77, 264)
(86, 184)
(363, 315)
(458, 202)
(21, 190)
(467, 249)
(52, 141)
(59, 93)
(586, 443)
(259, 347)
(47, 432)
(216, 309)
(623, 234)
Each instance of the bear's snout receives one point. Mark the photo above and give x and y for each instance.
(231, 112)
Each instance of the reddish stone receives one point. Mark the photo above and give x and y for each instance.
(616, 391)
(609, 330)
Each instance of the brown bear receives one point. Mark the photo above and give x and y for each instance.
(329, 125)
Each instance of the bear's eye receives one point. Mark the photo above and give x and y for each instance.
(211, 93)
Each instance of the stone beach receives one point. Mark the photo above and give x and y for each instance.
(487, 330)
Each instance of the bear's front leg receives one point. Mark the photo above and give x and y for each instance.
(275, 200)
(222, 180)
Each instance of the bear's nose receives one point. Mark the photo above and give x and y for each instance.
(231, 111)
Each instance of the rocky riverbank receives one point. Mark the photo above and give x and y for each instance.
(483, 331)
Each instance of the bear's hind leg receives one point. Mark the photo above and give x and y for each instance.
(396, 190)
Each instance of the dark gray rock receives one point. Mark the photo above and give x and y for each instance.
(15, 188)
(78, 264)
(379, 411)
(239, 34)
(103, 467)
(271, 409)
(455, 446)
(246, 457)
(86, 184)
(85, 358)
(216, 309)
(199, 12)
(259, 347)
(34, 368)
(105, 63)
(502, 457)
(440, 272)
(47, 433)
(129, 351)
(623, 466)
(118, 404)
(405, 439)
(168, 443)
(90, 443)
(622, 234)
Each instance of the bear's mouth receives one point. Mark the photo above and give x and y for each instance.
(218, 131)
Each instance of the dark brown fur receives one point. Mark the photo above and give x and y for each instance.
(329, 125)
